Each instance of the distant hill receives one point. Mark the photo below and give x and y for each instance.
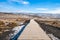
(45, 15)
(48, 15)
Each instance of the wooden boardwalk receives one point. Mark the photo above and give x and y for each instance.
(33, 32)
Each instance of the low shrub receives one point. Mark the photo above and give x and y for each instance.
(12, 24)
(2, 23)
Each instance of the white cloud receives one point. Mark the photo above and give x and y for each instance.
(25, 2)
(8, 8)
(46, 10)
(24, 11)
(41, 9)
(55, 11)
(19, 1)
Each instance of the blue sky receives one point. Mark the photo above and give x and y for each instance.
(30, 6)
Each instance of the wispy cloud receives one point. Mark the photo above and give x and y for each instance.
(55, 11)
(13, 7)
(47, 10)
(19, 1)
(24, 11)
(41, 9)
(8, 8)
(25, 2)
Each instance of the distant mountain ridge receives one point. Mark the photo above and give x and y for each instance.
(37, 14)
(47, 15)
(43, 15)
